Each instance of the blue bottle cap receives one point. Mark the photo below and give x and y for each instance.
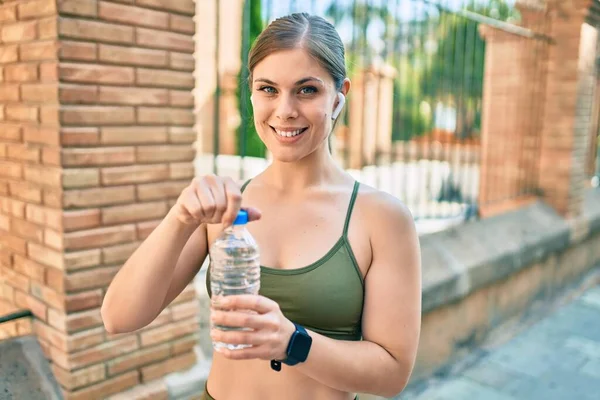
(242, 218)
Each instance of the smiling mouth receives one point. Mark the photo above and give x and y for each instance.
(289, 133)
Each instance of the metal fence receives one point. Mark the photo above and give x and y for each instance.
(419, 66)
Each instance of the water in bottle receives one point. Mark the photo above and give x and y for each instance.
(235, 267)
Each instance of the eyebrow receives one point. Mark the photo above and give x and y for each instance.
(300, 82)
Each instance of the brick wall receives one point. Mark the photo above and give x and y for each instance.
(96, 144)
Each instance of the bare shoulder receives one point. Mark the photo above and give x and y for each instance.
(384, 212)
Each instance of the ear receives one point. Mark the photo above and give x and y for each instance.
(340, 105)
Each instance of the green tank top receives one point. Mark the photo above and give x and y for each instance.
(326, 296)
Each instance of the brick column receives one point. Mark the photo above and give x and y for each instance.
(562, 158)
(97, 137)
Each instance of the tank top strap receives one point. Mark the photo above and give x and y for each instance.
(244, 185)
(350, 207)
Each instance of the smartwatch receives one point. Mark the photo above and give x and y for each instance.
(297, 350)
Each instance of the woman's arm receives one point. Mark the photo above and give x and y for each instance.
(383, 362)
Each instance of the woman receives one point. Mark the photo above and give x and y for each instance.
(340, 301)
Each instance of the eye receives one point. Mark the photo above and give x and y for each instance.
(308, 90)
(267, 89)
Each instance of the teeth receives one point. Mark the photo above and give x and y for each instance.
(288, 133)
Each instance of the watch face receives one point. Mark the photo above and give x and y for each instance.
(301, 346)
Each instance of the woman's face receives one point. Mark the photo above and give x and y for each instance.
(293, 98)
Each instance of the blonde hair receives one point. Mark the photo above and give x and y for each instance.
(309, 32)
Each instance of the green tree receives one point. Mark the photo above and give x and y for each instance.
(248, 141)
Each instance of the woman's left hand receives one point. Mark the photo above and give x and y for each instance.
(271, 330)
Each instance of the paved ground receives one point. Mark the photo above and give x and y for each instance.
(557, 358)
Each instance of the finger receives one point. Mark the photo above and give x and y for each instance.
(206, 200)
(239, 337)
(239, 319)
(249, 353)
(234, 201)
(192, 205)
(254, 302)
(218, 193)
(253, 213)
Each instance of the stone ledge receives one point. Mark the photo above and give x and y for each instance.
(458, 261)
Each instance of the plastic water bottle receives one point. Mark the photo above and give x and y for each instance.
(235, 267)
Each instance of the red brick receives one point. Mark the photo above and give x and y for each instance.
(58, 320)
(22, 113)
(106, 388)
(132, 56)
(9, 93)
(183, 345)
(84, 301)
(161, 190)
(184, 6)
(134, 96)
(79, 51)
(93, 73)
(132, 15)
(161, 78)
(37, 9)
(55, 279)
(134, 135)
(174, 364)
(99, 237)
(29, 268)
(154, 154)
(48, 28)
(38, 308)
(182, 24)
(27, 230)
(81, 219)
(84, 8)
(182, 61)
(164, 40)
(53, 239)
(78, 94)
(44, 216)
(11, 170)
(98, 156)
(15, 279)
(82, 320)
(168, 332)
(86, 177)
(119, 253)
(52, 197)
(187, 294)
(43, 175)
(185, 310)
(13, 207)
(8, 13)
(47, 50)
(99, 196)
(49, 72)
(45, 255)
(42, 135)
(133, 213)
(9, 54)
(182, 134)
(85, 339)
(49, 334)
(138, 358)
(96, 31)
(165, 116)
(90, 279)
(51, 156)
(82, 259)
(4, 224)
(103, 352)
(144, 229)
(79, 136)
(13, 242)
(181, 98)
(134, 174)
(40, 93)
(49, 116)
(52, 298)
(80, 378)
(25, 191)
(97, 115)
(10, 132)
(19, 32)
(21, 72)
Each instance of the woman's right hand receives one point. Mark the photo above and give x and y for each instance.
(211, 199)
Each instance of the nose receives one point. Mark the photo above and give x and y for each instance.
(286, 108)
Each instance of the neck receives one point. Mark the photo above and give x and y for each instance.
(313, 170)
